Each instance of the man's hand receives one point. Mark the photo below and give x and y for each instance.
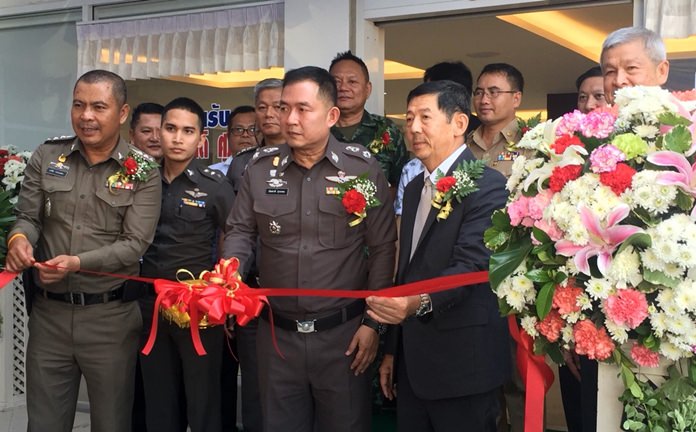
(20, 256)
(366, 341)
(386, 376)
(392, 310)
(63, 265)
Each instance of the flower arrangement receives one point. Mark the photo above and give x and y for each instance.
(136, 167)
(595, 251)
(382, 137)
(461, 183)
(12, 165)
(357, 196)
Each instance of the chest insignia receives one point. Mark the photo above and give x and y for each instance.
(340, 177)
(508, 156)
(274, 227)
(269, 149)
(367, 154)
(276, 182)
(275, 161)
(332, 190)
(196, 193)
(58, 169)
(284, 161)
(334, 157)
(193, 202)
(120, 185)
(272, 172)
(353, 149)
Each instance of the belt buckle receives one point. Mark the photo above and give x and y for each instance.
(305, 326)
(77, 298)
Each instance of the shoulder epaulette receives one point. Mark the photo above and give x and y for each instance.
(246, 150)
(212, 174)
(262, 152)
(136, 150)
(63, 139)
(356, 150)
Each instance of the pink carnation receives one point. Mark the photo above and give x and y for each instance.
(518, 211)
(605, 158)
(550, 228)
(538, 203)
(627, 307)
(644, 356)
(570, 123)
(565, 299)
(589, 341)
(598, 124)
(551, 326)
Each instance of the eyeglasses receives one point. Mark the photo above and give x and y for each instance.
(492, 92)
(239, 131)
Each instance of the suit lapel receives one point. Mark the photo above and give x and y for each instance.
(432, 216)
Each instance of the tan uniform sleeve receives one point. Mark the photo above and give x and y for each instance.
(30, 205)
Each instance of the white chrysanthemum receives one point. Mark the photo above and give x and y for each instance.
(517, 172)
(618, 332)
(515, 300)
(625, 268)
(658, 322)
(584, 302)
(665, 297)
(646, 131)
(528, 323)
(680, 343)
(651, 261)
(685, 295)
(504, 288)
(534, 138)
(567, 334)
(670, 350)
(572, 317)
(571, 268)
(598, 289)
(521, 284)
(674, 270)
(680, 324)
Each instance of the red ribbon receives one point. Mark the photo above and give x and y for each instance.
(246, 303)
(537, 376)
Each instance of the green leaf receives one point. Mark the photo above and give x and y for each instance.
(559, 277)
(554, 351)
(495, 238)
(677, 389)
(684, 201)
(503, 263)
(659, 278)
(545, 299)
(538, 275)
(678, 139)
(673, 119)
(501, 219)
(540, 235)
(504, 308)
(638, 240)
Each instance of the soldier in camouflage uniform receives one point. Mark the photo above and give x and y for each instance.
(379, 134)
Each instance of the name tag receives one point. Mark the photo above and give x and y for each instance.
(57, 169)
(276, 191)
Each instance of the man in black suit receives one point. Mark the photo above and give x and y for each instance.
(452, 354)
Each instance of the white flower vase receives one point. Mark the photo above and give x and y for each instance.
(610, 387)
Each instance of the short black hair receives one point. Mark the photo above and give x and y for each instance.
(592, 72)
(452, 97)
(348, 55)
(454, 71)
(145, 108)
(186, 104)
(118, 85)
(512, 74)
(321, 77)
(242, 109)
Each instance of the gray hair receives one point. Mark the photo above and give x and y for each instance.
(268, 83)
(652, 42)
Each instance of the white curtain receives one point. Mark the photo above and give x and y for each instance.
(671, 18)
(239, 39)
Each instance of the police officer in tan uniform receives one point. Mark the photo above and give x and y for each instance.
(72, 215)
(289, 197)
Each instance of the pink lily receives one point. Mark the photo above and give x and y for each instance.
(603, 240)
(685, 178)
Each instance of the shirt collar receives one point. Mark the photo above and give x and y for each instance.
(445, 166)
(333, 153)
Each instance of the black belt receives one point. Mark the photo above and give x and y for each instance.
(83, 299)
(313, 325)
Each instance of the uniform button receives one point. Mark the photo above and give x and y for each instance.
(113, 202)
(308, 212)
(82, 196)
(79, 227)
(304, 247)
(309, 179)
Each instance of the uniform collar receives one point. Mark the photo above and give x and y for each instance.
(333, 153)
(119, 153)
(191, 172)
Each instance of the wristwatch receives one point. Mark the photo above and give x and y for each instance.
(374, 325)
(425, 307)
